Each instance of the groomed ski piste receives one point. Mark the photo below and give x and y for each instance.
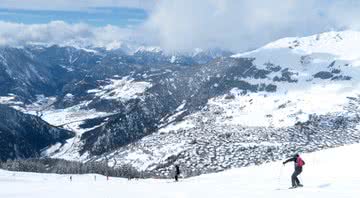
(328, 173)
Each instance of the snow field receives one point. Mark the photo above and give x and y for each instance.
(328, 173)
(121, 89)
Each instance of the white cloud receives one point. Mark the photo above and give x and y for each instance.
(244, 24)
(59, 32)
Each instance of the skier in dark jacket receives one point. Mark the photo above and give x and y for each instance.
(177, 172)
(299, 163)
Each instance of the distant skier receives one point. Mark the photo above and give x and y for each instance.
(177, 172)
(70, 178)
(299, 163)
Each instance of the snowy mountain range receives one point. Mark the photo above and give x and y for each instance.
(208, 111)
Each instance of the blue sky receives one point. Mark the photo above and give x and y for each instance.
(118, 16)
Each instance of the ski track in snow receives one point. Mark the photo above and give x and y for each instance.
(327, 173)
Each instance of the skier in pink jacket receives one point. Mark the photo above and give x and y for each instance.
(299, 163)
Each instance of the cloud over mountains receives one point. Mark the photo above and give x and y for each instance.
(59, 32)
(180, 25)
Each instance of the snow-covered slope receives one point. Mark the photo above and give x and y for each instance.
(329, 173)
(121, 89)
(316, 75)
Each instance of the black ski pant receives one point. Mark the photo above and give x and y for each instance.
(294, 179)
(176, 177)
